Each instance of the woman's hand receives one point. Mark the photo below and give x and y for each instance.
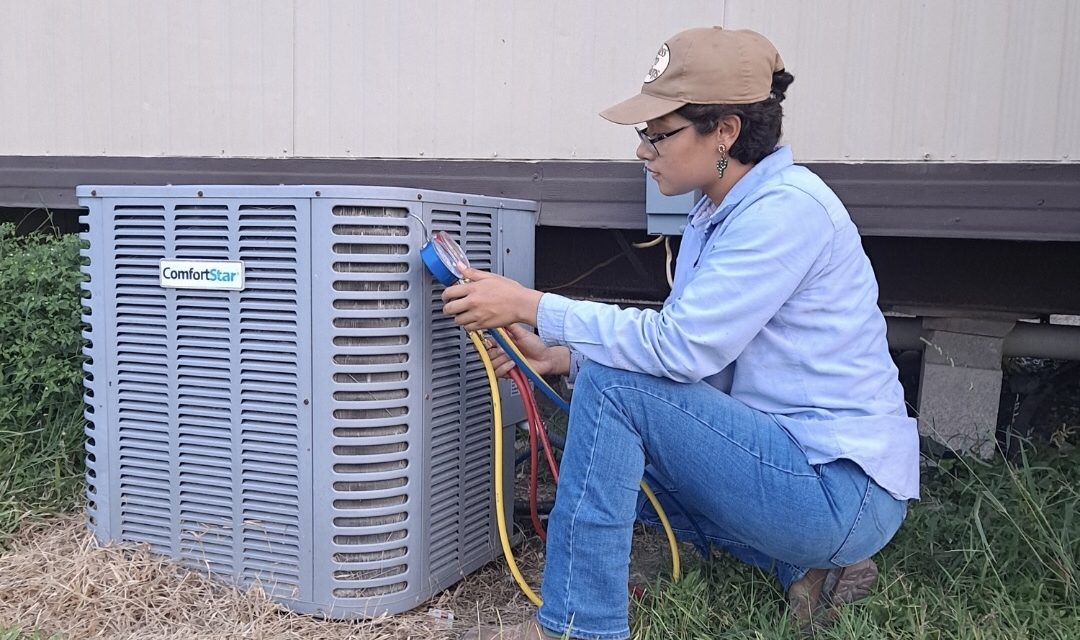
(488, 301)
(543, 359)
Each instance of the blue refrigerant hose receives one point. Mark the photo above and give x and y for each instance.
(529, 373)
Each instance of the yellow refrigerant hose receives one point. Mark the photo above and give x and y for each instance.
(500, 516)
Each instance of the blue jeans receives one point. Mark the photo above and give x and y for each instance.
(745, 480)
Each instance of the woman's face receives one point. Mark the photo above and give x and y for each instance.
(682, 162)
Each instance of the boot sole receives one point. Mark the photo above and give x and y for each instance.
(853, 583)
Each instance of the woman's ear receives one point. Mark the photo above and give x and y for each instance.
(727, 131)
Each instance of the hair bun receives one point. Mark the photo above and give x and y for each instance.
(780, 82)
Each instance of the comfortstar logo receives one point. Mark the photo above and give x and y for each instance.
(202, 274)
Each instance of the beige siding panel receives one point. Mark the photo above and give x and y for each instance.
(228, 78)
(28, 107)
(13, 75)
(903, 80)
(147, 77)
(1067, 141)
(1036, 73)
(135, 62)
(474, 78)
(972, 80)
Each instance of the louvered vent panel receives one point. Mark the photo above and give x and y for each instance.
(270, 402)
(448, 353)
(203, 350)
(206, 393)
(477, 423)
(142, 402)
(374, 466)
(460, 414)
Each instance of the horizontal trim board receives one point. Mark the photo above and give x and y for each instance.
(931, 200)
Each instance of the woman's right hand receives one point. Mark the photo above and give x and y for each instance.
(544, 360)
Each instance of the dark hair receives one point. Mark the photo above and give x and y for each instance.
(760, 120)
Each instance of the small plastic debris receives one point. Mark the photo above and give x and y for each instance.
(445, 615)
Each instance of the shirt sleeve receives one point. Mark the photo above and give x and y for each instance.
(576, 362)
(743, 277)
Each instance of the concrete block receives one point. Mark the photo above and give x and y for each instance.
(960, 388)
(963, 350)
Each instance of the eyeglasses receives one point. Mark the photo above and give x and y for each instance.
(652, 140)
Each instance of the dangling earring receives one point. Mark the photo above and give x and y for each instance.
(721, 164)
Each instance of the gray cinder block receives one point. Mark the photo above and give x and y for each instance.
(961, 383)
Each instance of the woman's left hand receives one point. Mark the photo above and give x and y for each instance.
(489, 301)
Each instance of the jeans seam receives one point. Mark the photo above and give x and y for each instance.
(577, 509)
(708, 426)
(858, 518)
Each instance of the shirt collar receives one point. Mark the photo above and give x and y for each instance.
(771, 164)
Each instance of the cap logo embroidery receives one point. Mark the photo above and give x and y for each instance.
(663, 57)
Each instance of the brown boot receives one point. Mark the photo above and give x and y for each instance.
(528, 630)
(806, 602)
(814, 599)
(851, 584)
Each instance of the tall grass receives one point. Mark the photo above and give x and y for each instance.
(990, 552)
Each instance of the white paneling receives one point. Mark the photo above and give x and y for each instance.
(1067, 141)
(473, 78)
(606, 64)
(939, 80)
(976, 80)
(22, 27)
(147, 77)
(1032, 76)
(229, 85)
(137, 75)
(260, 87)
(84, 114)
(975, 97)
(413, 90)
(311, 61)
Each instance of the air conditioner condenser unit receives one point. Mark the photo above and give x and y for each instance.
(275, 396)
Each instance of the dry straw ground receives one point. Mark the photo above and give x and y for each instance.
(56, 579)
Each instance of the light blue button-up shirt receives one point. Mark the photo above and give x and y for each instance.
(774, 302)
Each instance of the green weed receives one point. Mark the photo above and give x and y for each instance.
(41, 411)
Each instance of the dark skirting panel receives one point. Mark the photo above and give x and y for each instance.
(998, 237)
(929, 200)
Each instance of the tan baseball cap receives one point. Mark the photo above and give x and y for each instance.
(709, 65)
